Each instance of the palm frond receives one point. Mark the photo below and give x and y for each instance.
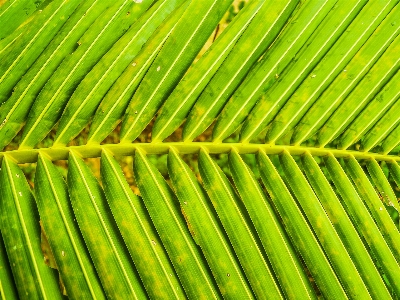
(265, 157)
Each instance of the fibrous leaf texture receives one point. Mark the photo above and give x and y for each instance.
(199, 149)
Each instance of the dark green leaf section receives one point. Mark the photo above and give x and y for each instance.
(395, 173)
(7, 285)
(339, 55)
(112, 107)
(97, 82)
(383, 44)
(21, 233)
(67, 245)
(206, 230)
(345, 229)
(323, 229)
(267, 71)
(229, 208)
(164, 211)
(384, 190)
(17, 12)
(299, 231)
(15, 62)
(283, 258)
(364, 223)
(96, 41)
(106, 247)
(15, 111)
(140, 236)
(258, 36)
(176, 56)
(320, 42)
(192, 84)
(383, 110)
(381, 216)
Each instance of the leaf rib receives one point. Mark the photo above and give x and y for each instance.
(125, 137)
(127, 195)
(51, 101)
(210, 219)
(172, 212)
(67, 227)
(104, 225)
(25, 230)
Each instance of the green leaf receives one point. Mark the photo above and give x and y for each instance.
(7, 285)
(178, 52)
(358, 32)
(381, 216)
(344, 228)
(299, 231)
(106, 247)
(11, 17)
(67, 245)
(88, 94)
(371, 83)
(227, 204)
(263, 75)
(384, 189)
(15, 111)
(15, 62)
(207, 231)
(190, 87)
(21, 233)
(382, 110)
(319, 43)
(97, 40)
(116, 100)
(280, 252)
(323, 229)
(363, 222)
(164, 211)
(140, 236)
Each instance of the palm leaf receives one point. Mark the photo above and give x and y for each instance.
(265, 158)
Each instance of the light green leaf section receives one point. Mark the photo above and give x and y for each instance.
(8, 291)
(383, 188)
(176, 56)
(280, 252)
(373, 81)
(114, 103)
(140, 236)
(350, 42)
(96, 41)
(16, 109)
(379, 117)
(233, 217)
(106, 247)
(259, 35)
(391, 141)
(97, 82)
(164, 211)
(206, 230)
(13, 13)
(323, 229)
(364, 223)
(320, 42)
(15, 62)
(183, 97)
(62, 232)
(344, 228)
(299, 231)
(299, 28)
(21, 234)
(377, 209)
(395, 174)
